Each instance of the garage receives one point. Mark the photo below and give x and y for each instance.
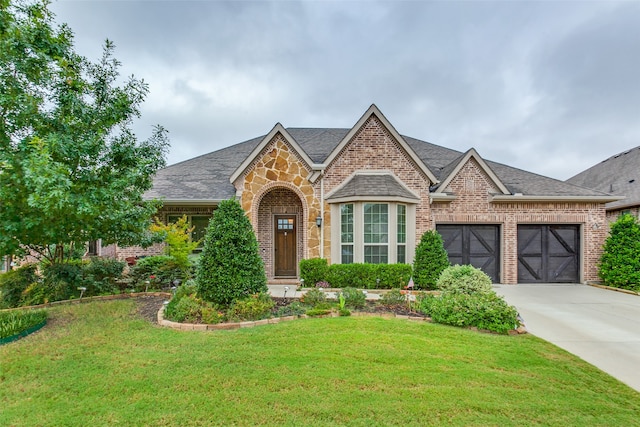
(477, 245)
(548, 254)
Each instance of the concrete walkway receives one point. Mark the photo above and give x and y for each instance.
(600, 326)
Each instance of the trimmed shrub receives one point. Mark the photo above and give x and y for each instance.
(353, 297)
(620, 261)
(430, 260)
(14, 282)
(313, 270)
(369, 276)
(486, 311)
(230, 266)
(255, 307)
(464, 279)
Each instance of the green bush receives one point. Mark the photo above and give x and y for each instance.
(393, 298)
(187, 309)
(314, 297)
(294, 309)
(101, 275)
(60, 281)
(620, 261)
(15, 322)
(430, 260)
(255, 307)
(159, 270)
(313, 270)
(464, 279)
(230, 266)
(14, 282)
(486, 311)
(369, 276)
(353, 297)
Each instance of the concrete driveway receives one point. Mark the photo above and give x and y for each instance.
(598, 325)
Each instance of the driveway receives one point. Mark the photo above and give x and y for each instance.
(598, 325)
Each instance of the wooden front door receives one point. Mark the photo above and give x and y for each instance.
(285, 249)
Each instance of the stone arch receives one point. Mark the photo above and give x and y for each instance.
(279, 198)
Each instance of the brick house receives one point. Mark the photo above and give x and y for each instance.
(618, 175)
(366, 194)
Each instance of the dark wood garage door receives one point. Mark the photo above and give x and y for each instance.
(548, 254)
(478, 245)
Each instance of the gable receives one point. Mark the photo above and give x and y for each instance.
(465, 167)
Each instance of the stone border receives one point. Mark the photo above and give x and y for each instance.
(274, 320)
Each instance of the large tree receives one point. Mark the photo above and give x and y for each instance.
(71, 169)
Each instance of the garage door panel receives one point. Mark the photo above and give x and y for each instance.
(548, 253)
(477, 245)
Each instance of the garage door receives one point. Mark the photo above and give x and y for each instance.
(478, 245)
(548, 254)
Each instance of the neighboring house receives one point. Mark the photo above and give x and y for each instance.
(367, 194)
(618, 175)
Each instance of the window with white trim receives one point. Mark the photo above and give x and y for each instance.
(374, 233)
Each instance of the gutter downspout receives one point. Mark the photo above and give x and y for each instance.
(322, 215)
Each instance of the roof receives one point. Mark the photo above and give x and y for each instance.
(372, 185)
(618, 175)
(207, 177)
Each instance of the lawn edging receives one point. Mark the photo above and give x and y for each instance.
(611, 288)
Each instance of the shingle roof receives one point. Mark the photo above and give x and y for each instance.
(619, 175)
(207, 177)
(373, 185)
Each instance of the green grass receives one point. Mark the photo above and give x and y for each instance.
(17, 321)
(96, 364)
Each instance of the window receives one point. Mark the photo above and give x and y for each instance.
(401, 231)
(199, 224)
(346, 233)
(373, 232)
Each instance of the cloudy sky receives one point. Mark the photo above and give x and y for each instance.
(549, 87)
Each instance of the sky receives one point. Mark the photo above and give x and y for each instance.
(552, 87)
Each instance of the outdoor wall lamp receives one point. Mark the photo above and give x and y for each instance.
(319, 221)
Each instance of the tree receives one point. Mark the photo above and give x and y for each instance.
(620, 260)
(430, 260)
(71, 169)
(230, 266)
(177, 236)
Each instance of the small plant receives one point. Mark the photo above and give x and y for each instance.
(256, 307)
(322, 285)
(430, 260)
(314, 297)
(294, 309)
(314, 312)
(353, 297)
(393, 298)
(164, 269)
(464, 279)
(16, 322)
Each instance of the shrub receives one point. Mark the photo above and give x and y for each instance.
(464, 279)
(353, 297)
(61, 281)
(316, 311)
(313, 270)
(177, 236)
(230, 266)
(255, 307)
(620, 261)
(314, 297)
(14, 282)
(164, 269)
(15, 322)
(369, 276)
(486, 311)
(187, 309)
(393, 298)
(430, 260)
(101, 275)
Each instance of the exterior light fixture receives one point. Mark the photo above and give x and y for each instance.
(319, 221)
(81, 289)
(286, 288)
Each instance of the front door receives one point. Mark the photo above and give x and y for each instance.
(285, 246)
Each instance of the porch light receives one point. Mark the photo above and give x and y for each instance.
(319, 221)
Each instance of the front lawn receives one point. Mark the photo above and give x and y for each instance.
(99, 364)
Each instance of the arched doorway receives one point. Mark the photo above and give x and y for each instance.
(281, 232)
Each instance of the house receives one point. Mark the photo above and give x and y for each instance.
(366, 194)
(618, 175)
